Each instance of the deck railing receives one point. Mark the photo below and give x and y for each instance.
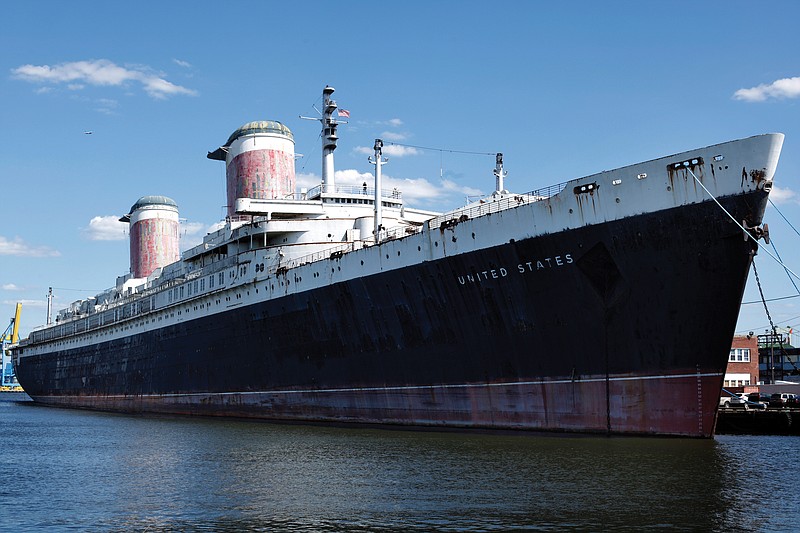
(122, 308)
(489, 206)
(361, 190)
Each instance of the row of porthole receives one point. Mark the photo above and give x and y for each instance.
(272, 287)
(238, 296)
(95, 335)
(126, 327)
(130, 326)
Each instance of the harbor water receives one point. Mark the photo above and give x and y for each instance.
(87, 471)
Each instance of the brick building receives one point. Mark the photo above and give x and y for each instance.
(742, 368)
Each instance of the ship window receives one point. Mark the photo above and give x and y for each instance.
(195, 287)
(210, 282)
(189, 290)
(181, 291)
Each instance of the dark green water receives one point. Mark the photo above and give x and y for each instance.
(83, 471)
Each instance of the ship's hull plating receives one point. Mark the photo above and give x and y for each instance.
(620, 327)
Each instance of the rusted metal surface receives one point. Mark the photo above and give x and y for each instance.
(674, 404)
(153, 244)
(260, 174)
(757, 176)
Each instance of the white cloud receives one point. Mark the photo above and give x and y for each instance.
(27, 303)
(109, 228)
(99, 72)
(779, 195)
(416, 192)
(192, 228)
(106, 106)
(216, 226)
(353, 177)
(422, 192)
(392, 122)
(11, 287)
(182, 63)
(452, 186)
(393, 150)
(393, 136)
(783, 88)
(161, 88)
(18, 247)
(106, 228)
(399, 151)
(308, 181)
(191, 234)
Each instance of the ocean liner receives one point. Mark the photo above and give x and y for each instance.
(605, 304)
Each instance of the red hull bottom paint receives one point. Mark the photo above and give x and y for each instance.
(680, 404)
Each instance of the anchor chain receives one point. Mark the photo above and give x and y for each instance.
(773, 328)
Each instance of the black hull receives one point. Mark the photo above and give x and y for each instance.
(621, 327)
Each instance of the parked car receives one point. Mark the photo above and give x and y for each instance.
(779, 399)
(759, 398)
(748, 404)
(731, 402)
(793, 401)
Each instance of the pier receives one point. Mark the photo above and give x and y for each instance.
(758, 422)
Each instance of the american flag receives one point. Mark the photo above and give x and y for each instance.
(344, 113)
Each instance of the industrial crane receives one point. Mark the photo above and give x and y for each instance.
(10, 336)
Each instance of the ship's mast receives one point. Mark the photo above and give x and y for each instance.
(329, 139)
(499, 174)
(378, 161)
(50, 306)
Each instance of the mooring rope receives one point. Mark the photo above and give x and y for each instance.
(782, 216)
(772, 242)
(747, 233)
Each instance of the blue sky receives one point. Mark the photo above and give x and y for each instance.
(563, 89)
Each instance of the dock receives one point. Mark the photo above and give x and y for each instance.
(758, 422)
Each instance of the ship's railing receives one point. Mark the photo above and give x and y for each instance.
(362, 190)
(316, 256)
(341, 249)
(495, 206)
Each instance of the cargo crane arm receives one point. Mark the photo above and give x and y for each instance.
(11, 334)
